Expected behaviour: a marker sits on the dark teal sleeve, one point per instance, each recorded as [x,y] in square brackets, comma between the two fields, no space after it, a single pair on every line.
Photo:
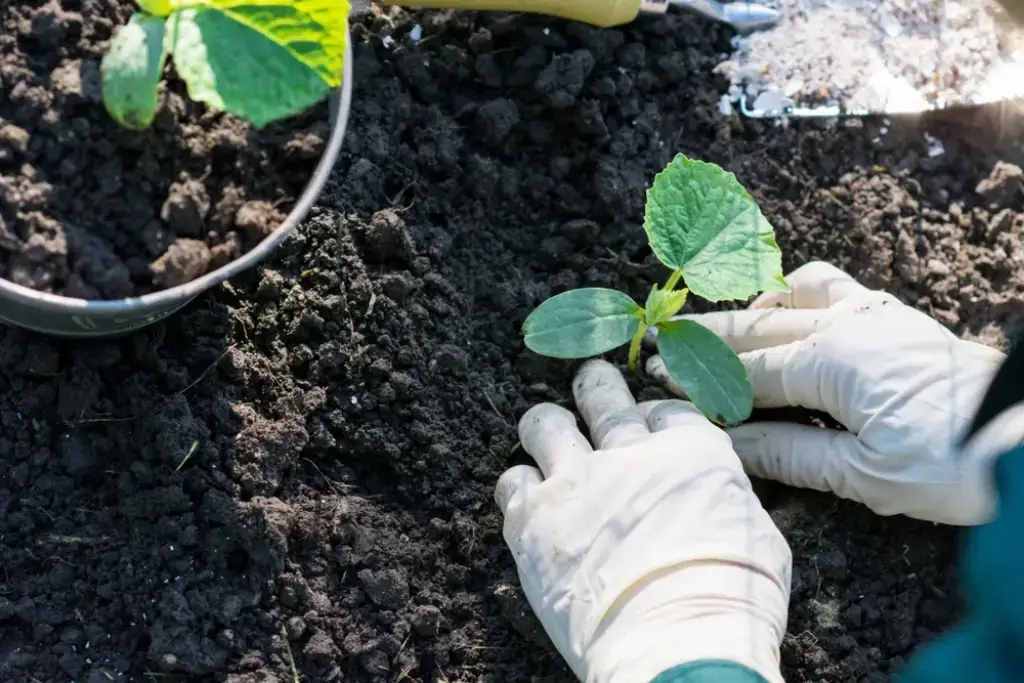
[710,671]
[988,644]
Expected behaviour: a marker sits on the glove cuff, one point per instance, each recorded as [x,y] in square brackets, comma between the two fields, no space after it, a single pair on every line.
[710,671]
[701,611]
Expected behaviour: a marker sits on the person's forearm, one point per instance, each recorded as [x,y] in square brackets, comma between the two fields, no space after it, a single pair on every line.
[985,645]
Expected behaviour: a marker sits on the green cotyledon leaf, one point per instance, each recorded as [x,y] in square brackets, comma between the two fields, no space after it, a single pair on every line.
[262,60]
[707,370]
[700,220]
[581,323]
[131,69]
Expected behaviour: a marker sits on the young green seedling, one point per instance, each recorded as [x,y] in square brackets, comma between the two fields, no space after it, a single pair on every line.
[262,60]
[704,225]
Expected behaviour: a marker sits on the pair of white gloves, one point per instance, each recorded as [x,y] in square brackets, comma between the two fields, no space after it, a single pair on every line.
[645,547]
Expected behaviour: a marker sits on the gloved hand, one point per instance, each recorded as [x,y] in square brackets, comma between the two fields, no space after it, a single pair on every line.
[647,549]
[905,387]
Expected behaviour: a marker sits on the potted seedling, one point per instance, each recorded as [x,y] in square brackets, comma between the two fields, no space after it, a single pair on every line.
[705,226]
[260,59]
[141,164]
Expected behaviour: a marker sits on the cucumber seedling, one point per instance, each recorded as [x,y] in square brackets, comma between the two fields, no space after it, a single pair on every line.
[705,226]
[262,60]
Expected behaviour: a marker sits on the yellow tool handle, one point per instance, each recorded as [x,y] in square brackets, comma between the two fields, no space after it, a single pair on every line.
[601,13]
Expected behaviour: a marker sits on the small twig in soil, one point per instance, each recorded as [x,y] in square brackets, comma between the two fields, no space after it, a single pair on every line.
[369,308]
[397,654]
[291,660]
[335,487]
[61,538]
[205,372]
[54,557]
[237,315]
[492,455]
[330,484]
[479,648]
[195,445]
[394,200]
[496,411]
[619,258]
[403,675]
[95,420]
[43,510]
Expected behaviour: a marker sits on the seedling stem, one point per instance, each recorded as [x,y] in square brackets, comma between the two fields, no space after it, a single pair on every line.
[673,280]
[634,347]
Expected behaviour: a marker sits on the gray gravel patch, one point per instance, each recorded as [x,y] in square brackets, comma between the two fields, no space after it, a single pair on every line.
[894,56]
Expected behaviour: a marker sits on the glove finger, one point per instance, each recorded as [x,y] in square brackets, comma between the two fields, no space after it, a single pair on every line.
[671,413]
[801,456]
[607,406]
[760,328]
[515,483]
[767,371]
[549,434]
[838,462]
[813,285]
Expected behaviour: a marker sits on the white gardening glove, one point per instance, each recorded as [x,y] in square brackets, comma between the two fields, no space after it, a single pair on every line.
[647,549]
[904,386]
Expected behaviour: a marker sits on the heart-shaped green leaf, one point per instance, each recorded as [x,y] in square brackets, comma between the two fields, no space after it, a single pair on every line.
[710,373]
[700,220]
[262,60]
[582,323]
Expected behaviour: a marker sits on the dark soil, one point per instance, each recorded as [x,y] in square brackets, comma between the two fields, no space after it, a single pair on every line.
[301,464]
[92,210]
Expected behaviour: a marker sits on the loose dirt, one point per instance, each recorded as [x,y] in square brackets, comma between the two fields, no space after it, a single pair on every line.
[354,401]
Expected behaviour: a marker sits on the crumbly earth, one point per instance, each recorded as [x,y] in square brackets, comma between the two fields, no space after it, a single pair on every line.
[300,465]
[93,210]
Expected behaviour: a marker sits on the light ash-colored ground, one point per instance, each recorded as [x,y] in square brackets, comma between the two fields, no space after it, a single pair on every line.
[879,55]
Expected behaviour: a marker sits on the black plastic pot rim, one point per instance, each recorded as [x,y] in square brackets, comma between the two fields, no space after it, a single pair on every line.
[165,302]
